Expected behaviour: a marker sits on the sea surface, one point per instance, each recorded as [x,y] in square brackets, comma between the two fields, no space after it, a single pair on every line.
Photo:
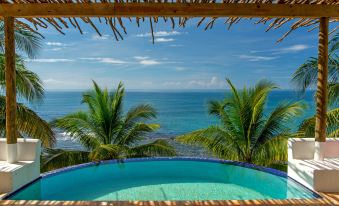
[178,112]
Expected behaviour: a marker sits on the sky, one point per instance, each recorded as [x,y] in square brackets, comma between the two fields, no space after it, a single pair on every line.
[180,59]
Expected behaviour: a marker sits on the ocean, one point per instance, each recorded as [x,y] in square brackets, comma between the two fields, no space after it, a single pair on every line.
[178,112]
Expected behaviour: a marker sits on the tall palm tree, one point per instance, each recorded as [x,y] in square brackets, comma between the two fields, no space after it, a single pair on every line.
[306,77]
[246,131]
[29,88]
[105,132]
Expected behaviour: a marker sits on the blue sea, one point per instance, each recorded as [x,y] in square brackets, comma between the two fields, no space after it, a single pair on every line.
[178,112]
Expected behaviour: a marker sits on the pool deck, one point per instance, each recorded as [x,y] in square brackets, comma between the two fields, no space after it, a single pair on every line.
[329,199]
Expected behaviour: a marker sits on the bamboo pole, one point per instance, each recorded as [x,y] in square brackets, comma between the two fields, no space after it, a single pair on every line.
[320,123]
[11,130]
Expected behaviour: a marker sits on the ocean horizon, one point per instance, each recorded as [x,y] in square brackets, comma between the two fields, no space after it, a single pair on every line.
[179,112]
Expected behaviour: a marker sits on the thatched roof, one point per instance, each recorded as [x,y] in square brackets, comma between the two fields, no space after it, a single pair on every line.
[117,23]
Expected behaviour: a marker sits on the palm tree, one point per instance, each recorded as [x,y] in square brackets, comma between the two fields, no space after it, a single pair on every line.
[26,41]
[29,88]
[246,131]
[306,77]
[105,132]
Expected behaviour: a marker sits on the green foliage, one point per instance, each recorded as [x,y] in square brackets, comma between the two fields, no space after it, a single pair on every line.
[105,132]
[306,77]
[306,128]
[29,87]
[26,41]
[246,131]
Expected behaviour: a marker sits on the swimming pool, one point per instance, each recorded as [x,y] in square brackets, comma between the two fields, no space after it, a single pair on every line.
[164,179]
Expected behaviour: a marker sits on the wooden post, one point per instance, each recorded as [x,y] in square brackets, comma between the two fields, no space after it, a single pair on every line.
[320,123]
[11,130]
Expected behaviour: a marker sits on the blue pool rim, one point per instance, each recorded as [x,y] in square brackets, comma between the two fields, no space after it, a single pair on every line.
[145,159]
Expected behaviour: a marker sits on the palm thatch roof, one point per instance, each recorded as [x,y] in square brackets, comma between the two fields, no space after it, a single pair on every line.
[116,23]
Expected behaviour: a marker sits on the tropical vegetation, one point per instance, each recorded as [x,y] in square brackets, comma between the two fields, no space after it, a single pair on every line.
[106,132]
[247,131]
[29,88]
[306,77]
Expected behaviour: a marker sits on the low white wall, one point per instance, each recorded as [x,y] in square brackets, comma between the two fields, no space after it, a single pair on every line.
[26,169]
[322,176]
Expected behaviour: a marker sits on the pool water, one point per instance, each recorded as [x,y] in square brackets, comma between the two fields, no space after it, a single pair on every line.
[160,179]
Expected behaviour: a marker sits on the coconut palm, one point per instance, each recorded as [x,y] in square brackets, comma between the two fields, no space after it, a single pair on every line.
[306,77]
[26,41]
[246,131]
[29,88]
[105,132]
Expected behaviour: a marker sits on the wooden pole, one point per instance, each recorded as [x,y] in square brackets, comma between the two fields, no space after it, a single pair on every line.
[320,123]
[11,130]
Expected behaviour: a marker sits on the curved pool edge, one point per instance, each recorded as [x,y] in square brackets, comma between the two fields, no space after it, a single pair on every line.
[144,159]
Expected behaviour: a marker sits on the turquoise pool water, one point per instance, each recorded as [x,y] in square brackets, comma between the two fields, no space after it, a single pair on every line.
[163,180]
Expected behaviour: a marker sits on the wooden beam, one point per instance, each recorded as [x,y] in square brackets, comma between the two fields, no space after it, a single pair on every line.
[320,124]
[11,130]
[31,10]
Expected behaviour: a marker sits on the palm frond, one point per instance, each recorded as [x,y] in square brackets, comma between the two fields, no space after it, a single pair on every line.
[333,94]
[106,152]
[26,41]
[109,134]
[307,127]
[29,124]
[157,148]
[277,121]
[52,159]
[79,127]
[136,133]
[247,132]
[334,43]
[28,83]
[306,75]
[217,140]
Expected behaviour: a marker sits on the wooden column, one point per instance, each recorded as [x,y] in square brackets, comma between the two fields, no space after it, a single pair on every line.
[11,130]
[320,125]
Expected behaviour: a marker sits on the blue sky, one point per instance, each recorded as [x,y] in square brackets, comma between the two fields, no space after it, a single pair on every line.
[180,59]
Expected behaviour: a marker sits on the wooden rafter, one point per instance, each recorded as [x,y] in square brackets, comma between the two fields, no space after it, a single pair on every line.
[34,10]
[64,14]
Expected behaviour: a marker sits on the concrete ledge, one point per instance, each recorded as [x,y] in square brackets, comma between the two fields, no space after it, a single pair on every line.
[26,169]
[322,176]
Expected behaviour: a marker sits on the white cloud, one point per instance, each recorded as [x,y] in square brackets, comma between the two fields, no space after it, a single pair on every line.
[294,48]
[289,49]
[149,62]
[51,81]
[176,45]
[49,60]
[55,44]
[163,39]
[141,57]
[172,83]
[254,58]
[160,34]
[105,60]
[213,82]
[180,69]
[56,49]
[102,37]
